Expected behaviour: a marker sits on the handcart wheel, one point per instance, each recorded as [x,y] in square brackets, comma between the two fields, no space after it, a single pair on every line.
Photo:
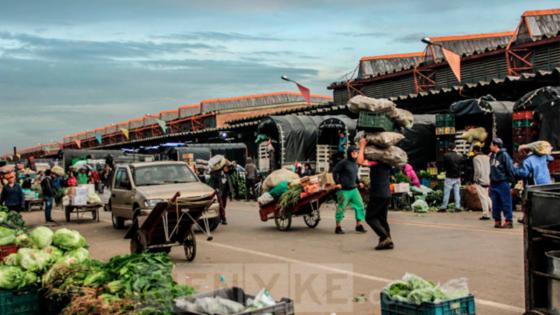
[67,211]
[138,243]
[190,246]
[312,219]
[283,220]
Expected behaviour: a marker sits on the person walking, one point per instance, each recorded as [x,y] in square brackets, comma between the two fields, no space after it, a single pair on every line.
[533,171]
[481,179]
[12,194]
[452,163]
[379,198]
[48,194]
[220,181]
[501,175]
[345,174]
[252,175]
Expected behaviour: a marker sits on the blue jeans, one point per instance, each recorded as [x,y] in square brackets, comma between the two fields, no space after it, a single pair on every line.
[448,184]
[500,193]
[48,208]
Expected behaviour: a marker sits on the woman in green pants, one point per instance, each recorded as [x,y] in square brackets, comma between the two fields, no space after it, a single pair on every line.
[345,175]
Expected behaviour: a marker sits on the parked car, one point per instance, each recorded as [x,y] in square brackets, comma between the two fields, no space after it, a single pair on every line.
[141,186]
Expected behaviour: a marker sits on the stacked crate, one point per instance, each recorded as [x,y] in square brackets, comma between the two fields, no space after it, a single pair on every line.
[324,154]
[445,134]
[522,131]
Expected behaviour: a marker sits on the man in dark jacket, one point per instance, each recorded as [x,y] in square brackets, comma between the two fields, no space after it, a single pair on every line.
[48,195]
[452,164]
[345,175]
[12,194]
[501,175]
[379,198]
[221,182]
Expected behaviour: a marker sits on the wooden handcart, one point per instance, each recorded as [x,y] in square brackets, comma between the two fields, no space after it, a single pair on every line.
[169,224]
[308,207]
[81,209]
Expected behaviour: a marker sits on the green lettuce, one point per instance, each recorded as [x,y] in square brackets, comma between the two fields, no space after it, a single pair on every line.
[41,236]
[7,236]
[11,277]
[68,239]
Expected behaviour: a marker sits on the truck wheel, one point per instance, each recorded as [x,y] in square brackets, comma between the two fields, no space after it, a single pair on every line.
[118,222]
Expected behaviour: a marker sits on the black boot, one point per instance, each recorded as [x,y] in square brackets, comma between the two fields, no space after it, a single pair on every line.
[338,230]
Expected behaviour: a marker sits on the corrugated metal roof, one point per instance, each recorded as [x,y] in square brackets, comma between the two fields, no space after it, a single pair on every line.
[280,112]
[468,45]
[258,100]
[537,25]
[466,86]
[380,65]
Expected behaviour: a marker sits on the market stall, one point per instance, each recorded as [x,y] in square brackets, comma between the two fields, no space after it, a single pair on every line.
[486,112]
[294,139]
[333,137]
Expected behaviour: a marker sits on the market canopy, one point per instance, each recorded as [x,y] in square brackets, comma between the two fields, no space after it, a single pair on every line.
[546,104]
[297,135]
[500,112]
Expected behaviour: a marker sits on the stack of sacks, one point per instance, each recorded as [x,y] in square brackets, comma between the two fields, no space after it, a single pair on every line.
[382,145]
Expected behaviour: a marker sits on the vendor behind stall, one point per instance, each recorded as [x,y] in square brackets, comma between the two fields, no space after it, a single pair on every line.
[452,164]
[12,194]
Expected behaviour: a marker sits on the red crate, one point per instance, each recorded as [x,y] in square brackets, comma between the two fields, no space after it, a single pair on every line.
[522,115]
[6,250]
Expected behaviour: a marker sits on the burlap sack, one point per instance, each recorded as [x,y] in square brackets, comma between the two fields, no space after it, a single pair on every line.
[392,155]
[360,103]
[538,147]
[402,117]
[384,139]
[475,134]
[277,177]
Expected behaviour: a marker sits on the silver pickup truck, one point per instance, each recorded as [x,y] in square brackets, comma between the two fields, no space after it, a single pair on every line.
[140,186]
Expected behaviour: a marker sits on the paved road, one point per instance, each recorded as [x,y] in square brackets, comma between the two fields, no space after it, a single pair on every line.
[326,273]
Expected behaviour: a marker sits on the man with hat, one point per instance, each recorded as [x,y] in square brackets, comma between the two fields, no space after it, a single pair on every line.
[501,175]
[12,194]
[345,174]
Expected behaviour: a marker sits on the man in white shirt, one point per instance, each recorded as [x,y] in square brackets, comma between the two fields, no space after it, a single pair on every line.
[481,178]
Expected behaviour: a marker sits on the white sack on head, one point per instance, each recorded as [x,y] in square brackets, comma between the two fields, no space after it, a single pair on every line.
[384,139]
[360,103]
[393,156]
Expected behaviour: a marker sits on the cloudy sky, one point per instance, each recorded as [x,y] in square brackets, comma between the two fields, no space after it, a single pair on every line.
[72,65]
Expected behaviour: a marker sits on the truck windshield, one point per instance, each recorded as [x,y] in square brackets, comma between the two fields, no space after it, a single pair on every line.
[162,174]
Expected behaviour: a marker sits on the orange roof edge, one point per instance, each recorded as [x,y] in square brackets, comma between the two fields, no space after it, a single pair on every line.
[391,56]
[236,98]
[169,111]
[541,12]
[470,36]
[189,106]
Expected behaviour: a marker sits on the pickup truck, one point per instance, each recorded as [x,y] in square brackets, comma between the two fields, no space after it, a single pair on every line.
[141,186]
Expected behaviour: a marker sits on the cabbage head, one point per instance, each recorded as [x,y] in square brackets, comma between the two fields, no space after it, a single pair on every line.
[34,260]
[30,278]
[7,236]
[12,260]
[11,277]
[75,256]
[24,241]
[53,251]
[3,216]
[67,239]
[41,236]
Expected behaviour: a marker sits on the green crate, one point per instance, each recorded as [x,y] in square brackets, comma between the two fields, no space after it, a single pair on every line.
[461,306]
[445,120]
[23,301]
[521,123]
[375,121]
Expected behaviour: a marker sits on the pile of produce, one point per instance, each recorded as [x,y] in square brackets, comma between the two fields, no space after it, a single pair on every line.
[11,219]
[382,145]
[59,263]
[415,290]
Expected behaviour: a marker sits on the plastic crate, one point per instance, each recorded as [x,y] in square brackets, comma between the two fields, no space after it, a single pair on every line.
[462,306]
[282,307]
[24,301]
[6,250]
[445,120]
[522,123]
[522,115]
[375,121]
